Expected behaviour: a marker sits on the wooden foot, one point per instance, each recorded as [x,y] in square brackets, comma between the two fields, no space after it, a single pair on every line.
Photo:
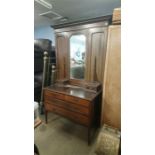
[89,136]
[46,115]
[41,109]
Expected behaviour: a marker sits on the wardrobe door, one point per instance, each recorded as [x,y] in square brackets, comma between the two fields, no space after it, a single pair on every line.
[62,56]
[111,106]
[97,53]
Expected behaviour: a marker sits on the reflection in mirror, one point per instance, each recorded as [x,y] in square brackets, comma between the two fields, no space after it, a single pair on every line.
[77,56]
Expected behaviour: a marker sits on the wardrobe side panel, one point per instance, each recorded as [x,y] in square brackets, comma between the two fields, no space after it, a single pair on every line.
[111,101]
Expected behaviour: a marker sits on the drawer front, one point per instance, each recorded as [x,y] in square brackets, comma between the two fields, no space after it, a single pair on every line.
[68,114]
[70,106]
[77,101]
[48,96]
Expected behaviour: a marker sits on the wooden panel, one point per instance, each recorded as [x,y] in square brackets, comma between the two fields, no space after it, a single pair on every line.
[69,114]
[69,106]
[49,95]
[82,25]
[112,81]
[96,37]
[62,56]
[78,104]
[97,53]
[77,101]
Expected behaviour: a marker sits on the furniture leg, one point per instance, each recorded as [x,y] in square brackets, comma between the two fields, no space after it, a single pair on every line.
[89,135]
[41,108]
[46,115]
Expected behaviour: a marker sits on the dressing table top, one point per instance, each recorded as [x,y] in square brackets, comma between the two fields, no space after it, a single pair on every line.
[73,90]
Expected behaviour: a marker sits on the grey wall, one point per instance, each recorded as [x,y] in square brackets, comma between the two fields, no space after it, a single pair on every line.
[45,32]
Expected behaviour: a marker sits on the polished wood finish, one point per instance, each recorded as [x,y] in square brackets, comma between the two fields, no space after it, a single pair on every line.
[111,101]
[82,22]
[77,28]
[74,102]
[68,114]
[96,38]
[94,86]
[62,56]
[52,96]
[70,105]
[97,51]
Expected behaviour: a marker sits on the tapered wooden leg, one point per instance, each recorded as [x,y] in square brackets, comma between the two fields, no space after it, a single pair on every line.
[41,108]
[89,135]
[46,115]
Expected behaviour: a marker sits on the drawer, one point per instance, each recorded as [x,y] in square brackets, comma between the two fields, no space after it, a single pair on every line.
[70,106]
[68,114]
[78,101]
[48,96]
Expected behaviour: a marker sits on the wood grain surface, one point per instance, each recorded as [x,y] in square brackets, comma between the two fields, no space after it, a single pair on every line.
[111,101]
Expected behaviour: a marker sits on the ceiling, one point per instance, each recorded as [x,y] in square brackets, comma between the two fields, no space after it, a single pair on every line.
[73,10]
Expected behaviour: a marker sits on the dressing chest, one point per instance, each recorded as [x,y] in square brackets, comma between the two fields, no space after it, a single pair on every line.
[80,104]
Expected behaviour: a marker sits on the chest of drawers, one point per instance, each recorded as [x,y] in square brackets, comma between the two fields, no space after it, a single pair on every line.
[75,103]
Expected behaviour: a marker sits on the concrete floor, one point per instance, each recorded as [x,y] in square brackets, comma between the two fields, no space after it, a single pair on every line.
[62,137]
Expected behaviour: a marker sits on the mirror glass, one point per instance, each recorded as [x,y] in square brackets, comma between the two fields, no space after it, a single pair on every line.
[77,56]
